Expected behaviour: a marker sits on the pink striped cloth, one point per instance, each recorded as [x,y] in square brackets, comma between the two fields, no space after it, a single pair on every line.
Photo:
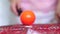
[43,5]
[41,8]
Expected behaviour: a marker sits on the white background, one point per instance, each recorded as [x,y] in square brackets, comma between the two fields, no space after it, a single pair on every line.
[6,15]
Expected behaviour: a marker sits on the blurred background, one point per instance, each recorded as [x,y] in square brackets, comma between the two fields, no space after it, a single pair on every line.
[6,15]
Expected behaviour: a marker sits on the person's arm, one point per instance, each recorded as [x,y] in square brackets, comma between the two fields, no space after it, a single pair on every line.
[13,6]
[58,8]
[58,11]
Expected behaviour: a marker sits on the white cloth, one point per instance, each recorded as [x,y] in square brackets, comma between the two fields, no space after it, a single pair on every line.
[44,18]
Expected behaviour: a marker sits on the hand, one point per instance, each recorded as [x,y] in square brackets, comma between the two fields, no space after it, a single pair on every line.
[13,6]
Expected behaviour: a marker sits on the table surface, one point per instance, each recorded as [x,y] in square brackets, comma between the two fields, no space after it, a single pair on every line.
[23,29]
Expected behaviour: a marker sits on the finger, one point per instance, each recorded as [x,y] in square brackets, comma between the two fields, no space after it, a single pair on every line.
[13,8]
